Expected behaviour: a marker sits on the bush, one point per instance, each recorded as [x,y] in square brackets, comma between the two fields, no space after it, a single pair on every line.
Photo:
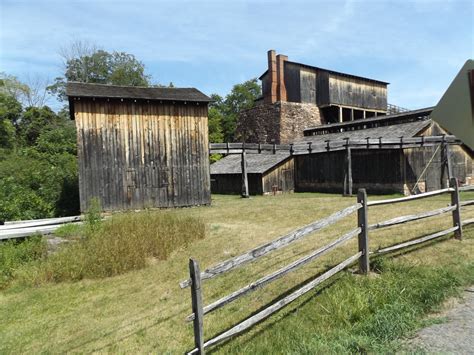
[122,243]
[14,253]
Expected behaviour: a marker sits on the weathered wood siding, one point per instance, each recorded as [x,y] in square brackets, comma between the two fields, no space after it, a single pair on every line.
[323,88]
[142,154]
[292,82]
[281,176]
[382,171]
[231,184]
[377,171]
[358,93]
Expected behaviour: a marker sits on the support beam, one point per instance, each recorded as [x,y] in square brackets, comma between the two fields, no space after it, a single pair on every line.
[245,183]
[340,114]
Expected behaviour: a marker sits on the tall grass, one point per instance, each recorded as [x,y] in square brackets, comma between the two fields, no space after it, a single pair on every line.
[15,253]
[360,314]
[122,243]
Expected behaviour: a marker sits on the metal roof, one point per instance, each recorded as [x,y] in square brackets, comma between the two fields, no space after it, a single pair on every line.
[409,129]
[74,89]
[256,163]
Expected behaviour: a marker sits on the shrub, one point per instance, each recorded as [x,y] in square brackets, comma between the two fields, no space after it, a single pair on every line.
[15,253]
[122,243]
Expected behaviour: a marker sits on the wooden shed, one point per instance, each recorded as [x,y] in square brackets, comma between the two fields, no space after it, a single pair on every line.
[266,173]
[141,147]
[405,170]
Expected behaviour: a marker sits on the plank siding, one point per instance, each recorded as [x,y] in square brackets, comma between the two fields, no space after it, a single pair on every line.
[139,155]
[356,93]
[281,176]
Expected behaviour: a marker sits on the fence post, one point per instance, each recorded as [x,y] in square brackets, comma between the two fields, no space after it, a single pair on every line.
[245,182]
[196,296]
[455,200]
[362,220]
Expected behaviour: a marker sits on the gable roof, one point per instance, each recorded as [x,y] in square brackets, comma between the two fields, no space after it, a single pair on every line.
[409,129]
[75,89]
[455,110]
[330,72]
[256,163]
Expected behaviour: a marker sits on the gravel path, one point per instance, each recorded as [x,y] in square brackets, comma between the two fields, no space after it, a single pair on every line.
[456,335]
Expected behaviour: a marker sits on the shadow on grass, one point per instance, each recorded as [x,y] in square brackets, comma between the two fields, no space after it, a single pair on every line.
[154,324]
[275,300]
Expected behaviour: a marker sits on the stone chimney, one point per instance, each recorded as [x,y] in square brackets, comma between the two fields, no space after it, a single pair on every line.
[272,74]
[281,88]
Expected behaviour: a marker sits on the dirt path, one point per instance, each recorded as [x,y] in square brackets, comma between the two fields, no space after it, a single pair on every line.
[456,335]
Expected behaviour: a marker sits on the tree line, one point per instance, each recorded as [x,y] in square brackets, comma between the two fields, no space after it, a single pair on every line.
[38,164]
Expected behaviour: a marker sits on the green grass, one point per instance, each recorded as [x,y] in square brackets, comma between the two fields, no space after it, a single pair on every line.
[143,310]
[125,242]
[14,254]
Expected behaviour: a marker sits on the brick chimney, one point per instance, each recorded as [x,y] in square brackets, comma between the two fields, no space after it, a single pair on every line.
[272,72]
[281,88]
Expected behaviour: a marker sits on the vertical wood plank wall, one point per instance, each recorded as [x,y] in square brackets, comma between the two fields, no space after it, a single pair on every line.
[135,155]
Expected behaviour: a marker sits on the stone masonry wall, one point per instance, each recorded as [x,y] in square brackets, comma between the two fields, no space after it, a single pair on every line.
[260,124]
[295,117]
[281,122]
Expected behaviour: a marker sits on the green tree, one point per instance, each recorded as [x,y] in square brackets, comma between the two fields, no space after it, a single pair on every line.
[241,97]
[101,67]
[12,87]
[33,121]
[215,117]
[10,113]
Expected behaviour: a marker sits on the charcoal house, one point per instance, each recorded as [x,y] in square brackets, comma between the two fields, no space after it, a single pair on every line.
[141,147]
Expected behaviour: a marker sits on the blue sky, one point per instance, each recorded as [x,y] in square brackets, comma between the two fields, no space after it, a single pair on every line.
[417,46]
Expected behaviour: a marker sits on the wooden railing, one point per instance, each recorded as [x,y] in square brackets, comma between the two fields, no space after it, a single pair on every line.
[362,256]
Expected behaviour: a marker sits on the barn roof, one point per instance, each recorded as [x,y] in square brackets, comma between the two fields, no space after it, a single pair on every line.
[409,129]
[256,163]
[74,89]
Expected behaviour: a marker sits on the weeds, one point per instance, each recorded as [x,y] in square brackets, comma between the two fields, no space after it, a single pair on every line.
[14,253]
[124,242]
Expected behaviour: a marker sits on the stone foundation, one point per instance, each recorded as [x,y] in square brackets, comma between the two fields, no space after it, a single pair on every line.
[281,122]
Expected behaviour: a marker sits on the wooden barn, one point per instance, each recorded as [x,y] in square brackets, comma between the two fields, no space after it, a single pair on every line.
[266,174]
[405,170]
[141,147]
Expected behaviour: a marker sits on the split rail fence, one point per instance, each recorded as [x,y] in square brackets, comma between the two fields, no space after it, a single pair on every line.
[361,256]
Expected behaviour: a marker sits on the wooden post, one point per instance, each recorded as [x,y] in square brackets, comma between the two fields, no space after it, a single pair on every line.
[196,296]
[363,235]
[245,183]
[349,170]
[340,114]
[455,200]
[448,161]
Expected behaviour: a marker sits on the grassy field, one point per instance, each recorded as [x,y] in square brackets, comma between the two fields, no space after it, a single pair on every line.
[144,310]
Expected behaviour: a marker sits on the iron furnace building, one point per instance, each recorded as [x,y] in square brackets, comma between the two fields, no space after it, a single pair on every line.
[141,147]
[297,96]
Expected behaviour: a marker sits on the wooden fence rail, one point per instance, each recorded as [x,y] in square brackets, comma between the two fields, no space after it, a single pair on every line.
[274,245]
[362,256]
